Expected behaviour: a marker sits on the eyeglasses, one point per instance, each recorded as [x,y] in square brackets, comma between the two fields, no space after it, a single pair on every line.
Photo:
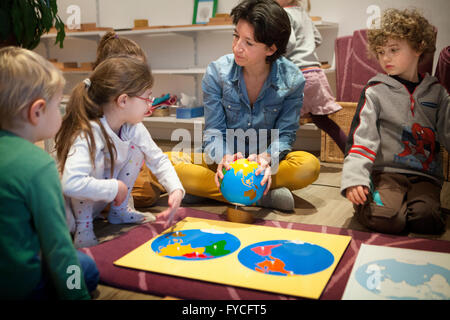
[149,100]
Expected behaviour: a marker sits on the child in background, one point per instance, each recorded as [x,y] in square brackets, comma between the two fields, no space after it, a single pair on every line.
[36,250]
[392,172]
[102,143]
[113,45]
[146,189]
[318,99]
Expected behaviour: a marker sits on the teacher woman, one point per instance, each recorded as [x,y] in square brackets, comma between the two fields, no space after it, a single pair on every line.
[252,101]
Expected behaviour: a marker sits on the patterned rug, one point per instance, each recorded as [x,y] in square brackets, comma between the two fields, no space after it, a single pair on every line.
[162,285]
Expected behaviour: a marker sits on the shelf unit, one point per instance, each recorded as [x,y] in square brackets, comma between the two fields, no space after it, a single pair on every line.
[189,31]
[161,127]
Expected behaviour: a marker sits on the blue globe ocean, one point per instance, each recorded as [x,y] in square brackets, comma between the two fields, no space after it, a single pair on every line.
[240,185]
[286,257]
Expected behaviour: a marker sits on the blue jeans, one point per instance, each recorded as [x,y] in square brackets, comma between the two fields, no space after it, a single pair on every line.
[44,291]
[90,271]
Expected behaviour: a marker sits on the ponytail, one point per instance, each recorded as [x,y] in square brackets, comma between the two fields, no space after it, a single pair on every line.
[80,111]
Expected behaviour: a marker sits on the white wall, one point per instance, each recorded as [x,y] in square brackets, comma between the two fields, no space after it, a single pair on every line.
[120,14]
[350,14]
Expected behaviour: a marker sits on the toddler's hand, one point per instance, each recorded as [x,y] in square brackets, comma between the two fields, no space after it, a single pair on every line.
[121,193]
[174,202]
[357,194]
[175,199]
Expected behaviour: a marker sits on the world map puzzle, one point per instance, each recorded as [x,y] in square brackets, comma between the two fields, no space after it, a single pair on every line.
[285,261]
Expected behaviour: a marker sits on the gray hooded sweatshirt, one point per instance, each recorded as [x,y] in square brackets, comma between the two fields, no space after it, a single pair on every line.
[395,131]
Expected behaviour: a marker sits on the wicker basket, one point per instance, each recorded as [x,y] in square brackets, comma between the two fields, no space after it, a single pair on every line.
[329,151]
[445,164]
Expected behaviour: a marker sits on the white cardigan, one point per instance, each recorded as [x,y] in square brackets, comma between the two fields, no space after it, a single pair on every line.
[82,181]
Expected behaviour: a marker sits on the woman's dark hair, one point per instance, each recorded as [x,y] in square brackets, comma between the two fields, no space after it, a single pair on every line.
[270,21]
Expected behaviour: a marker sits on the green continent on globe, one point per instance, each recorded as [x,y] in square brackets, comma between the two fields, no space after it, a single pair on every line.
[217,249]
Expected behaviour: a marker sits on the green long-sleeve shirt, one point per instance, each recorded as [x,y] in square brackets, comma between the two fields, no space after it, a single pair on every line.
[33,230]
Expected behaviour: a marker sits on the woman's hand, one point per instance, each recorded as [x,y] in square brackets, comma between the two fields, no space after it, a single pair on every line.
[357,194]
[263,161]
[226,160]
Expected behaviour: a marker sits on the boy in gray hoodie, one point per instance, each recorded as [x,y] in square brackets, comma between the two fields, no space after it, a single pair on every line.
[392,171]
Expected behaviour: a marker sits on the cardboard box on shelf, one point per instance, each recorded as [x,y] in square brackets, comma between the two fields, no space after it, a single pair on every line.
[219,19]
[139,23]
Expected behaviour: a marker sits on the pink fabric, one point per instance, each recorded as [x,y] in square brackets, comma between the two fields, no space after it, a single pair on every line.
[343,52]
[443,68]
[363,67]
[354,67]
[318,97]
[106,253]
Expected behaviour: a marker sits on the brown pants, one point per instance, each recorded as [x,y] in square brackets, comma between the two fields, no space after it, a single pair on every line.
[398,202]
[146,190]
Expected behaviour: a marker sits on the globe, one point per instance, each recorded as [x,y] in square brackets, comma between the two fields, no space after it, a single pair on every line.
[195,244]
[240,185]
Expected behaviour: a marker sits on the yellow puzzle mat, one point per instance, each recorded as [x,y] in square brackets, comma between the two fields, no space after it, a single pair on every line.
[284,261]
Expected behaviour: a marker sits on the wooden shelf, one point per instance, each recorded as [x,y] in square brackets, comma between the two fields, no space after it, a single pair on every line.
[167,29]
[145,31]
[78,34]
[170,120]
[187,71]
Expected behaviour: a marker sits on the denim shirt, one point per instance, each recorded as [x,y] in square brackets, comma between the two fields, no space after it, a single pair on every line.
[232,125]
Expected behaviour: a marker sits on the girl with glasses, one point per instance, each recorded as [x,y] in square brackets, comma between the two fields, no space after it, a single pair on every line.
[102,143]
[147,189]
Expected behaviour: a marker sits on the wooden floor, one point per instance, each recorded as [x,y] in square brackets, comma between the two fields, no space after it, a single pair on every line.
[319,203]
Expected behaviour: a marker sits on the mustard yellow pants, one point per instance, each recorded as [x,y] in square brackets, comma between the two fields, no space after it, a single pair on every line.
[298,170]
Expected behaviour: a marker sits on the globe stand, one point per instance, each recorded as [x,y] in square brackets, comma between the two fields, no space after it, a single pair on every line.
[238,215]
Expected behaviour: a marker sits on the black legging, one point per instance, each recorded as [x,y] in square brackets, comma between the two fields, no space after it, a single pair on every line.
[331,128]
